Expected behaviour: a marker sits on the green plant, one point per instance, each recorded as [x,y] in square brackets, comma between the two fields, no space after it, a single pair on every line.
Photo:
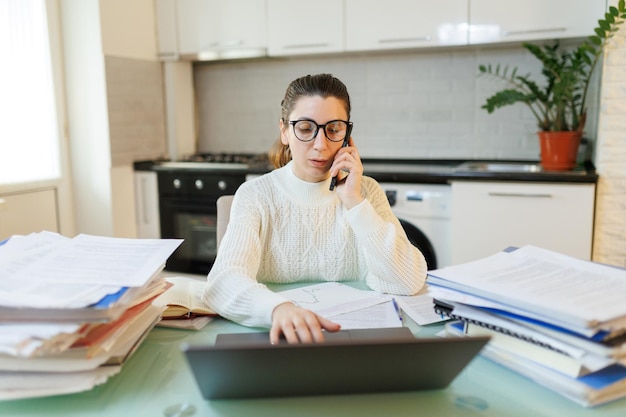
[559,104]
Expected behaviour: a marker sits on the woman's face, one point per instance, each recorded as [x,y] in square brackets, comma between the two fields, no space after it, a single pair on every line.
[312,160]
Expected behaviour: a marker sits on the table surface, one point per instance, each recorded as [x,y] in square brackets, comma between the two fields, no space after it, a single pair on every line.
[156,381]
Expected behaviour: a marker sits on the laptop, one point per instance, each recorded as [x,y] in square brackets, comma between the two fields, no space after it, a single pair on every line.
[246,365]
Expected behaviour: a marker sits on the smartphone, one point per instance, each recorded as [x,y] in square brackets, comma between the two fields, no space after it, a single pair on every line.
[333,182]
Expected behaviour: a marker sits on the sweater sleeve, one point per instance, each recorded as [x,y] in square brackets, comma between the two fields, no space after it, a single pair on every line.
[232,290]
[394,265]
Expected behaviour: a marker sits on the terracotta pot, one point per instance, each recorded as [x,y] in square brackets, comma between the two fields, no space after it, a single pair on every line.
[559,150]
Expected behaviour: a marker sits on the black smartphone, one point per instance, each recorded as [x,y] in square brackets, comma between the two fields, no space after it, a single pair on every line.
[333,182]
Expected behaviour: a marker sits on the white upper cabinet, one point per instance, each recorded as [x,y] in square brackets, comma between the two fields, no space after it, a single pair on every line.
[298,27]
[167,38]
[397,24]
[221,29]
[505,21]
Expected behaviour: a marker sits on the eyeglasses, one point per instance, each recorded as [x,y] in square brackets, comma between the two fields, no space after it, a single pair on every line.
[335,130]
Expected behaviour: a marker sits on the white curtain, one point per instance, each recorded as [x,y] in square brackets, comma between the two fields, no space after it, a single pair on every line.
[29,142]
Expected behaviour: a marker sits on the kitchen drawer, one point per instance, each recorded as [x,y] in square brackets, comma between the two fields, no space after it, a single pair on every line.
[490,216]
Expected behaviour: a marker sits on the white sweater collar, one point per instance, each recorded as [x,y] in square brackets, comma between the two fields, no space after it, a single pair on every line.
[313,193]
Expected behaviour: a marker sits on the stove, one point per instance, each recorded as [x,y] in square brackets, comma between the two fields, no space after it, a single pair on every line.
[188,191]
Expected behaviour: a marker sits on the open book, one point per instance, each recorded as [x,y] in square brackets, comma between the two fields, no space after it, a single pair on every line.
[184,299]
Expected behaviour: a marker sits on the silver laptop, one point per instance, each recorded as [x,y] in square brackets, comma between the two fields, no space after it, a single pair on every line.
[245,365]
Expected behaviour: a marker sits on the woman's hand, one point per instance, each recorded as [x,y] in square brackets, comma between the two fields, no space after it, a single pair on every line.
[347,164]
[299,325]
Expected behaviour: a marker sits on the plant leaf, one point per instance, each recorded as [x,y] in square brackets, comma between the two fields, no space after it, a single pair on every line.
[604,25]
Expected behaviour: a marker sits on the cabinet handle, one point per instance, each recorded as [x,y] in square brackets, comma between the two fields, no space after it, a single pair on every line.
[404,40]
[306,45]
[531,31]
[226,44]
[144,201]
[168,55]
[530,195]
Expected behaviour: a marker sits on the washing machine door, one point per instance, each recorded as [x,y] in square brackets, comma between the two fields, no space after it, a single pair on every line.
[420,241]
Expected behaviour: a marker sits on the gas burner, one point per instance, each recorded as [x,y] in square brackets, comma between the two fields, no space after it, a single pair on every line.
[252,160]
[228,158]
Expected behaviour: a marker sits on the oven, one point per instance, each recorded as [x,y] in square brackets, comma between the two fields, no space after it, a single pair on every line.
[187,210]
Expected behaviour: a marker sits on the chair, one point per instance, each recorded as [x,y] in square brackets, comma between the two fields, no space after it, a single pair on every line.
[223,216]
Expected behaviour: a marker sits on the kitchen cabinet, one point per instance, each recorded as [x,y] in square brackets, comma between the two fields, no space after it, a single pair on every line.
[298,27]
[167,37]
[500,21]
[28,212]
[147,205]
[397,24]
[490,216]
[221,29]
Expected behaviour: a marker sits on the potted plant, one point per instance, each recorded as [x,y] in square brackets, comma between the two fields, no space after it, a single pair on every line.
[559,103]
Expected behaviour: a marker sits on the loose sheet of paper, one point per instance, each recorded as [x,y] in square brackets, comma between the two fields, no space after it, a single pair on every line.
[377,316]
[330,299]
[419,308]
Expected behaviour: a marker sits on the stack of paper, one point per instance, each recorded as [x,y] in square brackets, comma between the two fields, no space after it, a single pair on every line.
[555,319]
[73,310]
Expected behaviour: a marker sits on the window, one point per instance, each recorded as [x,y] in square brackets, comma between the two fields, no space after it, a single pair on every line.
[29,133]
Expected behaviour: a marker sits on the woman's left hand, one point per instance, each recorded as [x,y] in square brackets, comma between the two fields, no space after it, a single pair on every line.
[349,168]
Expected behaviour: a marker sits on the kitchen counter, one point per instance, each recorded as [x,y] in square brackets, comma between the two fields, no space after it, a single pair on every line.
[441,172]
[412,171]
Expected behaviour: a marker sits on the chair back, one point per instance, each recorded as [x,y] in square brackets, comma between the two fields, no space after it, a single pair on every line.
[223,216]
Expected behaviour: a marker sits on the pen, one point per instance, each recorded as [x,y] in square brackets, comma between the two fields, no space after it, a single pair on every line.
[397,308]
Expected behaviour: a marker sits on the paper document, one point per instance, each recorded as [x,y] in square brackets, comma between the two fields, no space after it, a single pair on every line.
[330,299]
[377,316]
[88,259]
[419,308]
[562,288]
[46,270]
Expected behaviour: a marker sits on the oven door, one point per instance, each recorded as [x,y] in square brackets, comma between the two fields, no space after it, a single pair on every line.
[197,225]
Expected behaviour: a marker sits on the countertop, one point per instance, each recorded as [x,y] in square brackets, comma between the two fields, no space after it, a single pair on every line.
[406,171]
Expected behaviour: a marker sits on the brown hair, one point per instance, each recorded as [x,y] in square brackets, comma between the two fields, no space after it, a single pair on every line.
[323,85]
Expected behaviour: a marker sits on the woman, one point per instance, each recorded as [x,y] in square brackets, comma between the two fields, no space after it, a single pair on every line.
[292,225]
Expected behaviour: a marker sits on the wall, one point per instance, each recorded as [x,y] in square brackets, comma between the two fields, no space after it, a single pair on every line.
[610,225]
[416,104]
[87,116]
[115,107]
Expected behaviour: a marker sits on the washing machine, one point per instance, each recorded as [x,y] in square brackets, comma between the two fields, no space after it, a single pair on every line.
[424,212]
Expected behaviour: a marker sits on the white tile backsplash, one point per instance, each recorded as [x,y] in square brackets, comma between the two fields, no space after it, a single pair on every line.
[414,105]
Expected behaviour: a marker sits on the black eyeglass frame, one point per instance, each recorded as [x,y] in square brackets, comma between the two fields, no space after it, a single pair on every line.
[317,129]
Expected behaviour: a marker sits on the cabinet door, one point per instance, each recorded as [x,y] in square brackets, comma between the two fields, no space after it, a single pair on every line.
[147,205]
[212,29]
[30,212]
[166,29]
[488,217]
[502,21]
[297,27]
[396,24]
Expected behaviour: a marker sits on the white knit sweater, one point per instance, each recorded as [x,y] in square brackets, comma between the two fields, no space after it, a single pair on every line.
[285,230]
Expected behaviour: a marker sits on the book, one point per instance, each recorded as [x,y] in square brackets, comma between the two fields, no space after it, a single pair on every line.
[194,323]
[183,300]
[590,390]
[560,362]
